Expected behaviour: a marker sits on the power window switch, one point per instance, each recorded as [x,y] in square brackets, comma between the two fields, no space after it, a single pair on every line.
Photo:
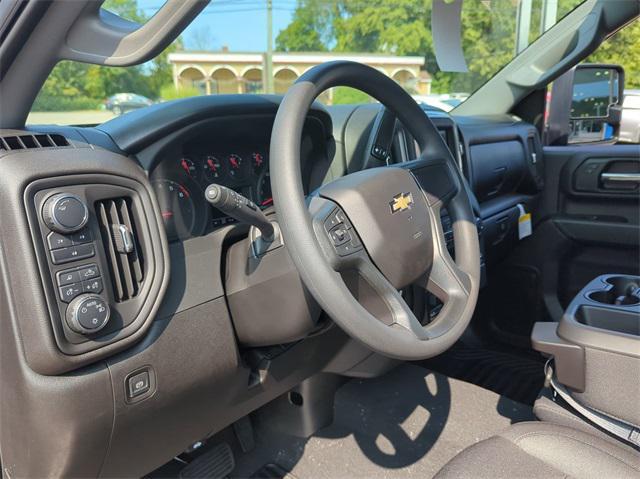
[138,384]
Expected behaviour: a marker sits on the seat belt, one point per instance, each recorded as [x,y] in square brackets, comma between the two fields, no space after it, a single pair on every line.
[620,429]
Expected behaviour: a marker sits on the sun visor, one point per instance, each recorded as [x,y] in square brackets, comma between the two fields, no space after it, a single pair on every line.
[447,35]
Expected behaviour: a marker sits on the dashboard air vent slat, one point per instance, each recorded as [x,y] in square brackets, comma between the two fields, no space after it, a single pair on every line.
[29,142]
[126,268]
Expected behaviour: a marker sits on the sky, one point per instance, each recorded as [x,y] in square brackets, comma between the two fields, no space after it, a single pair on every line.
[240,25]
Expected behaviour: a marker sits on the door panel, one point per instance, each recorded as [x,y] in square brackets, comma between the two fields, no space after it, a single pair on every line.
[592,196]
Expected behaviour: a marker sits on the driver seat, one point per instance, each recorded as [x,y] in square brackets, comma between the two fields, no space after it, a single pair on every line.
[538,449]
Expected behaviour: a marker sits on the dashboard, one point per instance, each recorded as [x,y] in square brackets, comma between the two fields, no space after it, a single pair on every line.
[196,317]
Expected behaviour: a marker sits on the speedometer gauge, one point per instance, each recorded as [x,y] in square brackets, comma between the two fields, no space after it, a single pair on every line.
[177,207]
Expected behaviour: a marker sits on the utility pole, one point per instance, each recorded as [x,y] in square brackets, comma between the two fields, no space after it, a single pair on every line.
[523,25]
[268,67]
[549,15]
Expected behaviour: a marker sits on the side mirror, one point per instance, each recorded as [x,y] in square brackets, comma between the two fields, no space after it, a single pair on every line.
[585,105]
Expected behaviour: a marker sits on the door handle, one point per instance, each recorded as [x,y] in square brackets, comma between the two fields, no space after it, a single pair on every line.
[621,177]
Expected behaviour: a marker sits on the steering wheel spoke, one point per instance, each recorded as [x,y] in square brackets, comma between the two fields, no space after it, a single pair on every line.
[400,314]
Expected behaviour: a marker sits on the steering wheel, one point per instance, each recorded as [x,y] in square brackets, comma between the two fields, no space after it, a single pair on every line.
[381,223]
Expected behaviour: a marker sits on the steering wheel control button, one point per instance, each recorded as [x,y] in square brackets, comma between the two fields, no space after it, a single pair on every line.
[332,220]
[65,213]
[69,292]
[339,235]
[138,384]
[88,314]
[355,241]
[343,237]
[56,241]
[342,218]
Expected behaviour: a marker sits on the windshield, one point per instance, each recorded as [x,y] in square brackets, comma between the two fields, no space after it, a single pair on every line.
[224,51]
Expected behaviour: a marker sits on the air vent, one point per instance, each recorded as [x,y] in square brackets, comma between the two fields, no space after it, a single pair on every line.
[28,142]
[121,243]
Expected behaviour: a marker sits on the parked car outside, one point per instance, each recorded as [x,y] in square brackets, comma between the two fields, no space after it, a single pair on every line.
[123,102]
[443,101]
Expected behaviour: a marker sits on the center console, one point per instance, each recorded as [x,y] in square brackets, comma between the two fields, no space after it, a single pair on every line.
[596,348]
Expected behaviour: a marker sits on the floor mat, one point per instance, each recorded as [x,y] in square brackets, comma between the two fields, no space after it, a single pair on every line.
[407,423]
[518,377]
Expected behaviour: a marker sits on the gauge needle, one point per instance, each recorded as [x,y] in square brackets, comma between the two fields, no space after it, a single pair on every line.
[184,191]
[234,162]
[185,167]
[167,214]
[267,202]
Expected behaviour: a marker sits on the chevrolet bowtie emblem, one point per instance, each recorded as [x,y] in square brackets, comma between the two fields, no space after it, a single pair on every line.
[401,202]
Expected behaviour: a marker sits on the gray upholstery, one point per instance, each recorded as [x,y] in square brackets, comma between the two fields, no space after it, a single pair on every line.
[536,449]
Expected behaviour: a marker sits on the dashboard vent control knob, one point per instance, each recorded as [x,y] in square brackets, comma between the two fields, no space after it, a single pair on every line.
[88,314]
[65,213]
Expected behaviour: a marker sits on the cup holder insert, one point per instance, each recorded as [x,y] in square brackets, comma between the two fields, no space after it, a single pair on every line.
[623,291]
[609,297]
[620,321]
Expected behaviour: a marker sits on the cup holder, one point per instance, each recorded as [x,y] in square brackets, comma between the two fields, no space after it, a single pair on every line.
[624,291]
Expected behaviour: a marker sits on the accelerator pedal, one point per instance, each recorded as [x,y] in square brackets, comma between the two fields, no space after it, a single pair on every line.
[216,463]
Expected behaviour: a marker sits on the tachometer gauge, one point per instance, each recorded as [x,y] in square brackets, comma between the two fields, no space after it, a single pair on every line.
[213,169]
[257,161]
[189,167]
[177,207]
[234,162]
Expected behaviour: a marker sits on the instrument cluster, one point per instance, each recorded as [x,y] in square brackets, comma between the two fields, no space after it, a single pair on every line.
[180,183]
